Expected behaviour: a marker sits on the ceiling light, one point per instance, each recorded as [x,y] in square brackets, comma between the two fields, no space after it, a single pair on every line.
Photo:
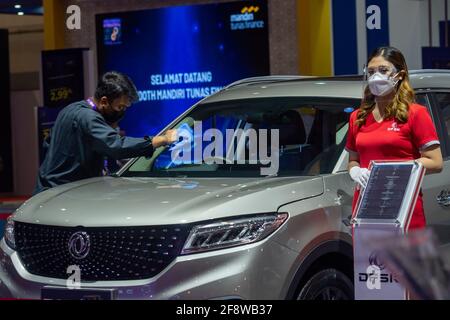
[17,6]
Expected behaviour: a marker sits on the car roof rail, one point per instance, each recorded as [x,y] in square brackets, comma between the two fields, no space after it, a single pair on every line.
[444,71]
[266,79]
[287,78]
[356,77]
[353,77]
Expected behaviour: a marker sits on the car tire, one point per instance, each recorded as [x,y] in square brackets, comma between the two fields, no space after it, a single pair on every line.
[328,284]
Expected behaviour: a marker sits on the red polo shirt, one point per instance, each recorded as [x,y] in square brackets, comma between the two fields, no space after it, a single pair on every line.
[391,140]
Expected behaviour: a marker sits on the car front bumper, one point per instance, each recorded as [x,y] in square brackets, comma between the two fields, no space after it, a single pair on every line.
[255,271]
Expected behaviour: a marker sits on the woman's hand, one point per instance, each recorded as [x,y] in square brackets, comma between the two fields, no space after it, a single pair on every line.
[360,175]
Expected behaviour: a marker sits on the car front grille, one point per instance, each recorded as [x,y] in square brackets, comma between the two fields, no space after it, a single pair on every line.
[101,254]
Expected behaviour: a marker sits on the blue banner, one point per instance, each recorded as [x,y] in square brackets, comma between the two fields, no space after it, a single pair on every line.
[377,24]
[181,54]
[345,43]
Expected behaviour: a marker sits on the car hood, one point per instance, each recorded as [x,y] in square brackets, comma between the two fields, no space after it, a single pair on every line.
[158,201]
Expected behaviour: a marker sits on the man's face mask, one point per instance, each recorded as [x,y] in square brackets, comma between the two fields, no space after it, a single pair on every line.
[382,80]
[112,115]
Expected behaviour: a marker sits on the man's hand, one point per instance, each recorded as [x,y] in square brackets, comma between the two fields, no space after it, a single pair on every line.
[169,137]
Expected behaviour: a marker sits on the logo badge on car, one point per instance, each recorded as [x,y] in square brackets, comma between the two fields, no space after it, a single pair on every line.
[79,245]
[375,261]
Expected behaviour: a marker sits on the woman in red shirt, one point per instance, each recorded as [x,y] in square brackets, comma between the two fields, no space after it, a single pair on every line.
[389,125]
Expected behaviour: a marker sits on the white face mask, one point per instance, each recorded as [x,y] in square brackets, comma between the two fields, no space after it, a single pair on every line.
[381,85]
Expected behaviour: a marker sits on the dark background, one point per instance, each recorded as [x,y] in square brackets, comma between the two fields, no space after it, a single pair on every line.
[6,169]
[62,77]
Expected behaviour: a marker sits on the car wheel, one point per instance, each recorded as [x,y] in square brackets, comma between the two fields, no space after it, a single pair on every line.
[329,284]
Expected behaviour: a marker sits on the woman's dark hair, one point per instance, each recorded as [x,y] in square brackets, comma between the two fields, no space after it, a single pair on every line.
[113,85]
[404,96]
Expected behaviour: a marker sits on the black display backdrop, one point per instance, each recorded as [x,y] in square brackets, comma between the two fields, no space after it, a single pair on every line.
[62,77]
[6,168]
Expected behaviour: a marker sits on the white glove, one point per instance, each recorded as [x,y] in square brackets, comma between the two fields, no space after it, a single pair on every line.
[360,175]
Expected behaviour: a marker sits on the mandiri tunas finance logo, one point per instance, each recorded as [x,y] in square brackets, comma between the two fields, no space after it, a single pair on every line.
[246,19]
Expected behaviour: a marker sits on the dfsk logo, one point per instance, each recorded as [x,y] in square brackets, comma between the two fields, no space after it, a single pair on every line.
[394,127]
[373,276]
[79,245]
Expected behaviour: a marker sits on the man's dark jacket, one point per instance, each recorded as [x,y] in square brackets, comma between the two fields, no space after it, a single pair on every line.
[80,141]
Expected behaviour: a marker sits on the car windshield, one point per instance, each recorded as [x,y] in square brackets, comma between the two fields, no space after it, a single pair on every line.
[253,137]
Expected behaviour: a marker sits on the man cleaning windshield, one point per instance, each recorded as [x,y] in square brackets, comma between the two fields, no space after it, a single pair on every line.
[84,135]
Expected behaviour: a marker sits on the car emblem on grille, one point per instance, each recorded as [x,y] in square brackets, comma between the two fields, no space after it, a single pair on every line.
[79,245]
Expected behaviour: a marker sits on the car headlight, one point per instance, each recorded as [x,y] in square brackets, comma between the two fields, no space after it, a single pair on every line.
[230,233]
[9,233]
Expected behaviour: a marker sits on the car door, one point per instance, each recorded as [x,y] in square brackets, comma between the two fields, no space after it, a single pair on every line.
[436,187]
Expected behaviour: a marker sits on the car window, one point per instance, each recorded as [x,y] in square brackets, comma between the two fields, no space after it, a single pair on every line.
[422,99]
[227,139]
[443,101]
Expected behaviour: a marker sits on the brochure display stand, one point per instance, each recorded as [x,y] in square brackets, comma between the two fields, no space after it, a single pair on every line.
[384,209]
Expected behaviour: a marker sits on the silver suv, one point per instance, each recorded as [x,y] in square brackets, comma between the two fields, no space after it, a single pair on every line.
[218,230]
